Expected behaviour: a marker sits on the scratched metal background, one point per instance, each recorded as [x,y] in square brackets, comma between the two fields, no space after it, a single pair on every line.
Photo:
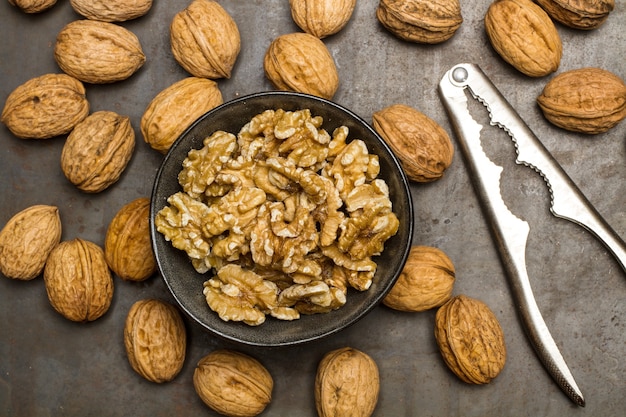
[52,367]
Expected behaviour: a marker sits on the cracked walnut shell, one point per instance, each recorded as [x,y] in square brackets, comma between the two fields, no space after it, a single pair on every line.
[233,383]
[422,145]
[97,151]
[155,340]
[421,21]
[98,52]
[347,384]
[78,281]
[426,281]
[301,62]
[127,245]
[523,34]
[321,18]
[470,339]
[586,100]
[175,108]
[27,240]
[45,106]
[205,40]
[578,14]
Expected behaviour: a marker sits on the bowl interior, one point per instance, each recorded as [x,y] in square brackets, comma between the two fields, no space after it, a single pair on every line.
[186,284]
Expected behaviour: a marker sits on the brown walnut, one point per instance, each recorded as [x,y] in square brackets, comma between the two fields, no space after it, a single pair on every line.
[33,6]
[578,14]
[111,10]
[321,18]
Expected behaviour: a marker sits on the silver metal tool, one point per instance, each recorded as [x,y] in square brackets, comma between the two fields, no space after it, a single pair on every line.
[510,232]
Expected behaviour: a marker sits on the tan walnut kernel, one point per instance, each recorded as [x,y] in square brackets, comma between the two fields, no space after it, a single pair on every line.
[422,145]
[45,106]
[578,14]
[111,10]
[426,281]
[33,6]
[98,52]
[78,281]
[523,34]
[321,18]
[205,40]
[175,108]
[586,100]
[155,340]
[27,239]
[470,339]
[233,384]
[301,62]
[347,384]
[97,151]
[421,21]
[127,244]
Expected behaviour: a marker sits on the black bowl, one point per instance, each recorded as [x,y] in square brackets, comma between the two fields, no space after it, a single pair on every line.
[185,283]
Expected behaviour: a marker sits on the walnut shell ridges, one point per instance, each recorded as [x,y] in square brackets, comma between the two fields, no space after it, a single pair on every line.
[46,106]
[321,18]
[78,281]
[233,383]
[33,6]
[578,14]
[205,40]
[155,339]
[585,100]
[98,52]
[27,240]
[111,10]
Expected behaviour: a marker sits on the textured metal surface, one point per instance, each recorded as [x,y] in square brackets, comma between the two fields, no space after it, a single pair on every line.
[52,367]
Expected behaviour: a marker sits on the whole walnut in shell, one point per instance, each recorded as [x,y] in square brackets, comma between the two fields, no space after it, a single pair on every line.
[470,339]
[321,18]
[155,339]
[111,10]
[78,281]
[27,240]
[98,52]
[33,6]
[175,108]
[422,145]
[586,100]
[524,36]
[205,39]
[421,21]
[127,245]
[301,62]
[346,384]
[97,151]
[233,383]
[578,14]
[426,281]
[45,106]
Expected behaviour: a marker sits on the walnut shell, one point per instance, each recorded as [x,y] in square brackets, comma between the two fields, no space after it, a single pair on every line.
[426,281]
[205,40]
[111,10]
[470,339]
[421,21]
[97,151]
[98,52]
[175,108]
[127,245]
[78,281]
[321,18]
[301,62]
[347,383]
[578,14]
[32,6]
[45,106]
[155,339]
[422,145]
[524,36]
[27,240]
[233,383]
[586,100]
